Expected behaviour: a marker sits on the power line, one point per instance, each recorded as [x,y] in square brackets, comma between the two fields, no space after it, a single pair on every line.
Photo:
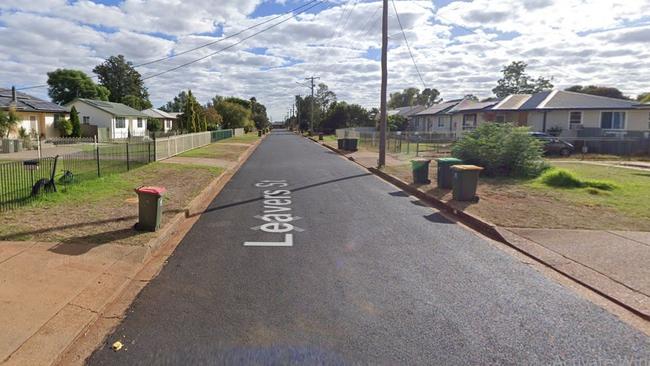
[408,46]
[230,46]
[210,43]
[225,38]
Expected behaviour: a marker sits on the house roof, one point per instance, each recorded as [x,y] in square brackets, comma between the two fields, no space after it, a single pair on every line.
[467,105]
[28,103]
[158,113]
[116,109]
[438,108]
[560,99]
[512,102]
[406,111]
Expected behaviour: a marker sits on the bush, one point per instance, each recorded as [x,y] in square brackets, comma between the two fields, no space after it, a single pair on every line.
[154,125]
[562,178]
[503,150]
[64,126]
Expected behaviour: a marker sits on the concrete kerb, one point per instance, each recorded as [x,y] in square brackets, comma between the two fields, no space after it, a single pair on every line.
[154,250]
[484,228]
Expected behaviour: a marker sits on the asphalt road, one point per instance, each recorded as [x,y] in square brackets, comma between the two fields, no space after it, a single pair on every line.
[372,277]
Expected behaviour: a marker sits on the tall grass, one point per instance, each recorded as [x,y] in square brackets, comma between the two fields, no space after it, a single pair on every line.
[562,178]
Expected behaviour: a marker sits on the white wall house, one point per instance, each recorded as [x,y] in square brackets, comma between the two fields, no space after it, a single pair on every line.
[168,120]
[121,120]
[576,114]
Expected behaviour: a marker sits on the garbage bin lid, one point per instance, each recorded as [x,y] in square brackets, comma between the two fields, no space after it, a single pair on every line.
[157,191]
[466,167]
[420,160]
[449,160]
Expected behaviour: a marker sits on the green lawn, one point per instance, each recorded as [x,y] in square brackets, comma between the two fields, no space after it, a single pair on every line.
[247,138]
[632,196]
[216,151]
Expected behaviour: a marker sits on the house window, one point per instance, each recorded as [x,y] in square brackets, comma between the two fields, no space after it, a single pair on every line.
[469,121]
[612,120]
[575,120]
[500,118]
[120,122]
[441,122]
[139,122]
[32,123]
[86,120]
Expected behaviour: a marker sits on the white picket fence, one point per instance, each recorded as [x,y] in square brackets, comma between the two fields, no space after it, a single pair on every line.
[167,147]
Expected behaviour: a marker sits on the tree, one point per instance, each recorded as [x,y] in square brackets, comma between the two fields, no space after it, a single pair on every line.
[428,97]
[643,98]
[123,81]
[154,124]
[74,121]
[324,97]
[192,119]
[516,81]
[234,115]
[408,97]
[397,123]
[213,118]
[177,104]
[259,115]
[8,122]
[471,97]
[602,91]
[64,85]
[64,126]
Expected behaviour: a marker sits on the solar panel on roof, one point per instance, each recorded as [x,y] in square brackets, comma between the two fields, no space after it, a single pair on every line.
[103,104]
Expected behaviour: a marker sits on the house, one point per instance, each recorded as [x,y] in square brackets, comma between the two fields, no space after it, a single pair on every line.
[121,120]
[407,112]
[35,115]
[435,118]
[454,117]
[168,120]
[575,114]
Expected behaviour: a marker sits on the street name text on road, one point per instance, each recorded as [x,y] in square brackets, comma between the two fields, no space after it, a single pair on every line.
[277,215]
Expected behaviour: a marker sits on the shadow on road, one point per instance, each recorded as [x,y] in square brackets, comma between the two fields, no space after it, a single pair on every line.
[293,190]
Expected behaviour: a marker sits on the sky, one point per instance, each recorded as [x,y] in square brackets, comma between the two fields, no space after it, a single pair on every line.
[459,47]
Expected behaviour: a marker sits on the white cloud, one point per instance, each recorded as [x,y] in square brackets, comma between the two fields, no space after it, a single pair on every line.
[459,48]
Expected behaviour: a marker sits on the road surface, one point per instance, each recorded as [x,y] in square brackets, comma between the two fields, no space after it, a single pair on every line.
[362,274]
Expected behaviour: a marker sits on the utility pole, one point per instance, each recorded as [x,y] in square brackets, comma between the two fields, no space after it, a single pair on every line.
[311,120]
[384,78]
[297,112]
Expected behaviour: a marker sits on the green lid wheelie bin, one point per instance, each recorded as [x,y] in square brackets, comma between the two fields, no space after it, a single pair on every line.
[465,182]
[444,173]
[420,168]
[149,208]
[340,144]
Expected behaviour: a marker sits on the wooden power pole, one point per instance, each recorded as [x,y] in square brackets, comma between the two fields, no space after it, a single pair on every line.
[311,108]
[384,79]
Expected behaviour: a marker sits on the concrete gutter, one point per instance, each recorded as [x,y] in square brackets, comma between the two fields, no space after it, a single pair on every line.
[599,285]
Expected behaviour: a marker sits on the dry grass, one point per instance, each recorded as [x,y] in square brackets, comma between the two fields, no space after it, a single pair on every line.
[105,210]
[525,203]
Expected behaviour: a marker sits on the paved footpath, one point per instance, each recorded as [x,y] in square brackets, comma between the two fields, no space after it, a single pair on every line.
[362,275]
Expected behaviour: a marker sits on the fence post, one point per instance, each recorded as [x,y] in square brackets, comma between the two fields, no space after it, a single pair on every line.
[408,143]
[128,165]
[99,173]
[149,150]
[417,148]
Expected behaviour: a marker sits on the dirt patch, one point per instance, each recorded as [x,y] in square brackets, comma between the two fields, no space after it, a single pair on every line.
[513,203]
[112,218]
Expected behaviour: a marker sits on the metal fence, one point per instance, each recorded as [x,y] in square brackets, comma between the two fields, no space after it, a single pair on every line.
[19,180]
[404,142]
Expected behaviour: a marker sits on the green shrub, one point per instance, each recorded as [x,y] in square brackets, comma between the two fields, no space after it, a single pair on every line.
[562,178]
[154,125]
[502,149]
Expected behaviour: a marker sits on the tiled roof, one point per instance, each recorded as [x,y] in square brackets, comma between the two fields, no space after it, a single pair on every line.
[116,109]
[28,103]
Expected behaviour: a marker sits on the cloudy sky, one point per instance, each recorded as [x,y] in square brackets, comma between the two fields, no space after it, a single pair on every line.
[459,46]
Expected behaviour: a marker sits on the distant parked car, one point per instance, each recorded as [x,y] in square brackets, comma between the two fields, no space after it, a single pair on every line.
[554,145]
